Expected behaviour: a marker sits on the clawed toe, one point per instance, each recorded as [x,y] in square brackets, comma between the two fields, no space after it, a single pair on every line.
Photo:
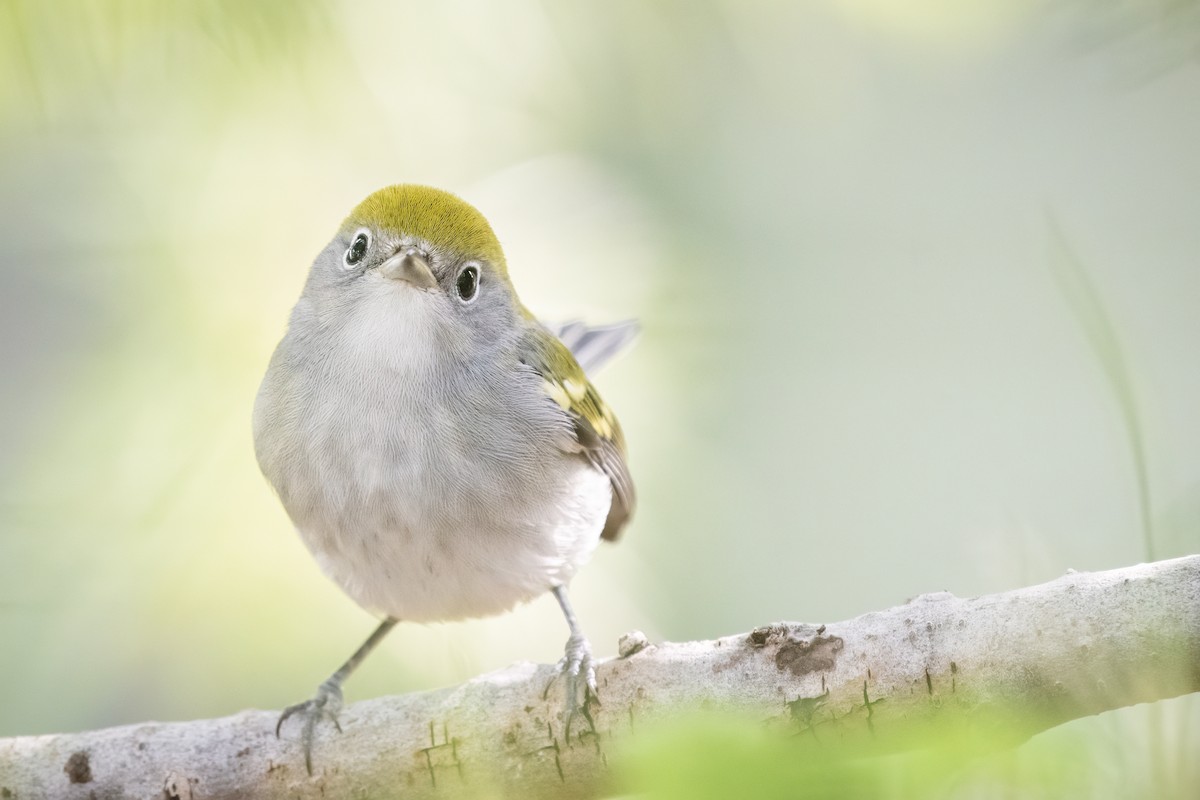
[312,710]
[577,666]
[326,705]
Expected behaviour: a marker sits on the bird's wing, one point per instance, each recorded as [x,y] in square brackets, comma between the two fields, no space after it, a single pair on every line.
[594,347]
[597,435]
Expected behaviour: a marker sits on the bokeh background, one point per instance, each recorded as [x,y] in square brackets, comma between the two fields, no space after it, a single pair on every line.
[919,282]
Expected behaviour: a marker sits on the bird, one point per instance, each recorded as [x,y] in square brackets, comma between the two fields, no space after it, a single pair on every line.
[441,452]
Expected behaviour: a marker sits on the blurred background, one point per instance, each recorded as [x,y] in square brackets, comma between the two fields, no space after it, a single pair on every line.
[919,283]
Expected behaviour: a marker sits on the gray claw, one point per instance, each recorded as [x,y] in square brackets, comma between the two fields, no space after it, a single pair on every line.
[327,704]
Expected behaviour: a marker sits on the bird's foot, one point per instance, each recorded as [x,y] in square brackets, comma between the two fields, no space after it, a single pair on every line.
[580,672]
[327,704]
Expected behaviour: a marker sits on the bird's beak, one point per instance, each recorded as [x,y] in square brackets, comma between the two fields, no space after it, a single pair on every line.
[409,266]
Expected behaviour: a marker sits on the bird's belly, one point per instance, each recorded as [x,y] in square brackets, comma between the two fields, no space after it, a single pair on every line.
[450,537]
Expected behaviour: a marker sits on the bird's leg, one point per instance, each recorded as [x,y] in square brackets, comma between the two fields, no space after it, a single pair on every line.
[576,664]
[328,701]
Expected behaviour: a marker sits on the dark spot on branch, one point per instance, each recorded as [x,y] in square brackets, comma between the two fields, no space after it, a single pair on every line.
[79,767]
[802,656]
[758,636]
[803,708]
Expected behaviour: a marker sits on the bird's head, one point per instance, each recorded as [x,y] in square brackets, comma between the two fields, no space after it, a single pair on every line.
[418,259]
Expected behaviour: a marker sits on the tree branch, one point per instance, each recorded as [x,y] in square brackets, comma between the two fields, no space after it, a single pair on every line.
[1006,665]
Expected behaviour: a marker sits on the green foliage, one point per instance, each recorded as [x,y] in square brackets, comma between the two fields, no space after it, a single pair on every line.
[713,756]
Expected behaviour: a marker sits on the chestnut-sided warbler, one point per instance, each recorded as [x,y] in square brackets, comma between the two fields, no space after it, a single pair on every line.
[441,452]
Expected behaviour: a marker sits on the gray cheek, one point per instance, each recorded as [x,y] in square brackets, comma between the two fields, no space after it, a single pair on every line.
[493,314]
[494,324]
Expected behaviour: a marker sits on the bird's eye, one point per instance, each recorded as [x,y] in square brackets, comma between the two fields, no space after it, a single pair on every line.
[467,284]
[357,248]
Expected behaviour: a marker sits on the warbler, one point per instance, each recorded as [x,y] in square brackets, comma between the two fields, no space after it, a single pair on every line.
[440,451]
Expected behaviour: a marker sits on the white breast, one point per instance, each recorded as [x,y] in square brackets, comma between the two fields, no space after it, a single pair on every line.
[394,563]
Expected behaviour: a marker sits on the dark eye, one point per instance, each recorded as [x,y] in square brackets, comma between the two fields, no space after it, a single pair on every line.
[467,284]
[358,248]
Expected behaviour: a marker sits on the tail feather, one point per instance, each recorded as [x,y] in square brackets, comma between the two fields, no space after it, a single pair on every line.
[594,347]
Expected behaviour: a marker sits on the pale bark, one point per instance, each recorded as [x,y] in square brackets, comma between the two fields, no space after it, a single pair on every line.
[1002,666]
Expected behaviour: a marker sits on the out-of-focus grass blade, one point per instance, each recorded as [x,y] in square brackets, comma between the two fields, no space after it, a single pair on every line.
[1089,310]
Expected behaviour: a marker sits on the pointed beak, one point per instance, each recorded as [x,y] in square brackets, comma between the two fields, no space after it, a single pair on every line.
[409,266]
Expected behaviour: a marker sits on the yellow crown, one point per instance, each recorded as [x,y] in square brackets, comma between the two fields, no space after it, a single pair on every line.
[440,218]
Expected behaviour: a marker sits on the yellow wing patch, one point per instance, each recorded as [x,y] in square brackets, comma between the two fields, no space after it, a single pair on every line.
[581,399]
[575,390]
[558,394]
